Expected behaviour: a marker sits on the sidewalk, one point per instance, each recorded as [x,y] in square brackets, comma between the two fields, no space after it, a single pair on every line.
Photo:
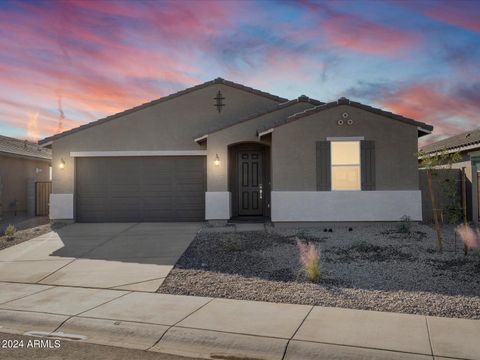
[220,328]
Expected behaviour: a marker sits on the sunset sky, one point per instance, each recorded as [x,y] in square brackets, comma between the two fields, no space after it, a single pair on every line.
[65,63]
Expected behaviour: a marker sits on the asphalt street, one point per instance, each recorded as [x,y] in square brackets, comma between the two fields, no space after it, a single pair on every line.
[27,347]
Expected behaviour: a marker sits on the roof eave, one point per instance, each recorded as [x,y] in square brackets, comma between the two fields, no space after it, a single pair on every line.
[454,149]
[201,139]
[26,157]
[217,81]
[424,128]
[422,131]
[281,106]
[265,132]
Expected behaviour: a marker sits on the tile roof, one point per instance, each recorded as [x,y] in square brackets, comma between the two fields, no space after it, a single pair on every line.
[425,128]
[165,98]
[456,142]
[302,98]
[23,148]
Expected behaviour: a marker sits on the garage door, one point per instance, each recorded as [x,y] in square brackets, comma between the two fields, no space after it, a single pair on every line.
[133,189]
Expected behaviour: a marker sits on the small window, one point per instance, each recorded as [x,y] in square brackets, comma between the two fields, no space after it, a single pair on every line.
[345,165]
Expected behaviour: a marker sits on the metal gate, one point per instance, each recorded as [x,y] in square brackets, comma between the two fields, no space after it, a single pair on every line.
[43,190]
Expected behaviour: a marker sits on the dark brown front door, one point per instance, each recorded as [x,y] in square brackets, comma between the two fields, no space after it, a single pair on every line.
[250,186]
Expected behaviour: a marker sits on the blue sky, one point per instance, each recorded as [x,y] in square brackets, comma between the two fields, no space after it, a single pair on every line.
[66,63]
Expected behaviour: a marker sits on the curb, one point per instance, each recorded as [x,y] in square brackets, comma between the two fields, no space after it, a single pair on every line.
[218,345]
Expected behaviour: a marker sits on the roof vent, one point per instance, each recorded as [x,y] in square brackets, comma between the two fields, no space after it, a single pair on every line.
[468,135]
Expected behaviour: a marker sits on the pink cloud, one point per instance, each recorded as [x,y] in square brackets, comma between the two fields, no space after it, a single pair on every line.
[365,36]
[449,111]
[99,66]
[458,13]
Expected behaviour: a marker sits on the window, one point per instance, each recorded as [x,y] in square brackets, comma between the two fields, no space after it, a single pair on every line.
[345,165]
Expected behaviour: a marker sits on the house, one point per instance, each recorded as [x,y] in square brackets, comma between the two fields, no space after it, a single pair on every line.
[21,161]
[467,145]
[221,151]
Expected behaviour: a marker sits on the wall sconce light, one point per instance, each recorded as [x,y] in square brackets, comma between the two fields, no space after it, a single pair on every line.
[62,164]
[217,160]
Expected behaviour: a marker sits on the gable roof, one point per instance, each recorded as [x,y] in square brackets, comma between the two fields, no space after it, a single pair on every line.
[218,81]
[470,139]
[284,105]
[423,128]
[23,148]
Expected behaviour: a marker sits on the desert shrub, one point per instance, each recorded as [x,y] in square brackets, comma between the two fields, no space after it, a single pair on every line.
[10,231]
[405,225]
[363,247]
[452,209]
[309,256]
[232,245]
[470,237]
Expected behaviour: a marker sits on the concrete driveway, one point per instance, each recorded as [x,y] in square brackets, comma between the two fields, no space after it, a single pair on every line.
[127,256]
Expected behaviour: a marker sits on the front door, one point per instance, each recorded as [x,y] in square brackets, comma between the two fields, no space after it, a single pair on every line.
[250,182]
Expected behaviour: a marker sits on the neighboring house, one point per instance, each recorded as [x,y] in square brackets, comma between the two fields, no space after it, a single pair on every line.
[20,160]
[467,144]
[221,151]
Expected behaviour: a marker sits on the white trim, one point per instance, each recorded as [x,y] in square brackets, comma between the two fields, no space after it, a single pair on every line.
[346,205]
[266,132]
[346,138]
[61,206]
[217,205]
[138,153]
[46,144]
[203,137]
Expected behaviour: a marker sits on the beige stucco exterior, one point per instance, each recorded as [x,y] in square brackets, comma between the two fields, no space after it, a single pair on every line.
[218,142]
[293,148]
[169,125]
[170,128]
[14,173]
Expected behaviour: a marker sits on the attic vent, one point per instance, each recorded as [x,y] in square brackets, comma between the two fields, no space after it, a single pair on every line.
[467,136]
[219,101]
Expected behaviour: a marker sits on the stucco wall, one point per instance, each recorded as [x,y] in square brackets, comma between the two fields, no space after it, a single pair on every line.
[14,172]
[169,125]
[294,206]
[294,156]
[218,142]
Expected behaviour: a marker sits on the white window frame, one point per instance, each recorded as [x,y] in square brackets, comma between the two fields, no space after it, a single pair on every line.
[358,139]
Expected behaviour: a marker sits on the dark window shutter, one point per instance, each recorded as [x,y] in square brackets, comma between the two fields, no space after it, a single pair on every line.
[323,166]
[367,157]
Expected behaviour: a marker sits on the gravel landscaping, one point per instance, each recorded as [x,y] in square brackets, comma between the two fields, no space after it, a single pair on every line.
[364,266]
[24,235]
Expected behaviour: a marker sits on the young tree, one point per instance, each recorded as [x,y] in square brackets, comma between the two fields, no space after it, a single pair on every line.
[431,163]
